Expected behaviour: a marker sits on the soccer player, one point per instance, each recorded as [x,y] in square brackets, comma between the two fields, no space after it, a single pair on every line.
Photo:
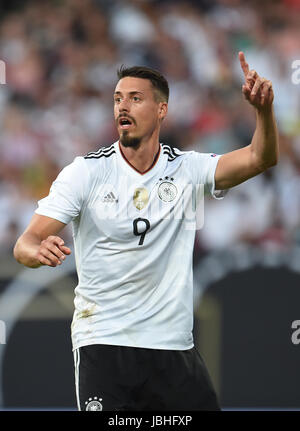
[132,324]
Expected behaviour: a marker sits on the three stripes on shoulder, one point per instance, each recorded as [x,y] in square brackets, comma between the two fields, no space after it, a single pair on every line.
[108,151]
[102,152]
[172,154]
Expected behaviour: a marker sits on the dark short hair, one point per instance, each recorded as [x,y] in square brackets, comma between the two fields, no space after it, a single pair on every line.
[159,82]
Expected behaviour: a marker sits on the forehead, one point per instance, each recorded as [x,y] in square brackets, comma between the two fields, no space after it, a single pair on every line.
[130,84]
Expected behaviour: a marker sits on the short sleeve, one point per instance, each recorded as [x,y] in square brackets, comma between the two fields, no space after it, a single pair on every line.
[67,193]
[202,167]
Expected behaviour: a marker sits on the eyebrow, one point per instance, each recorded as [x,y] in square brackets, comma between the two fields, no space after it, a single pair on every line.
[130,92]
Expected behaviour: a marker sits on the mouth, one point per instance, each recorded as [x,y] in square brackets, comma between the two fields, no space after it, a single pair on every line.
[125,123]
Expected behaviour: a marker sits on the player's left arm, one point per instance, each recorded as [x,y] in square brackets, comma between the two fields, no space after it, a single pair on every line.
[238,166]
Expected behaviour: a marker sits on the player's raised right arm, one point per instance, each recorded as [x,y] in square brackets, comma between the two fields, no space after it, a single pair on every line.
[40,245]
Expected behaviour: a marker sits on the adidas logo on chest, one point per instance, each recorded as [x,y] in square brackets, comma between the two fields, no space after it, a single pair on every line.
[109,198]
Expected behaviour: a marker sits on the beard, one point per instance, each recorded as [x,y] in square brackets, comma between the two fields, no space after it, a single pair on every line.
[127,141]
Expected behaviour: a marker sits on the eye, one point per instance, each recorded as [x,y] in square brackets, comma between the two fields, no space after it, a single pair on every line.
[117,99]
[136,98]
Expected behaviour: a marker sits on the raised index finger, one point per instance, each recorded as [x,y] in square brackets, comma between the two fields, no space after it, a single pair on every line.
[244,64]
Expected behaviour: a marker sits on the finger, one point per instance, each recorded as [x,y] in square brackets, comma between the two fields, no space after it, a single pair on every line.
[65,249]
[246,91]
[247,87]
[44,261]
[59,242]
[266,92]
[251,78]
[271,94]
[56,240]
[244,64]
[47,258]
[48,247]
[256,88]
[53,248]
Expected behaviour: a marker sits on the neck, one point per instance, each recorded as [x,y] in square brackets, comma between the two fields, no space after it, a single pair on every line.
[142,158]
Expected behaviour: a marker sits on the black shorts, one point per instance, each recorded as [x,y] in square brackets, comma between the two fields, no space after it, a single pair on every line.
[120,378]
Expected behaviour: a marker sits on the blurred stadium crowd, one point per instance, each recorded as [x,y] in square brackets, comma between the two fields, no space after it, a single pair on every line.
[61,61]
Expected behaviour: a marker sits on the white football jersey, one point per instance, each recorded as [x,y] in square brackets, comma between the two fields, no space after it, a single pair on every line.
[134,237]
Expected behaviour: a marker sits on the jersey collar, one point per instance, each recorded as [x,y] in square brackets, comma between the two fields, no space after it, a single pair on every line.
[131,170]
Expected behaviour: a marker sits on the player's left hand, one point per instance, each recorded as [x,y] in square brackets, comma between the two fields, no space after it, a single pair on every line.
[257,91]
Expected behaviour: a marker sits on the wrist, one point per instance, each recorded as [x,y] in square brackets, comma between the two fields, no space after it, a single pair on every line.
[265,111]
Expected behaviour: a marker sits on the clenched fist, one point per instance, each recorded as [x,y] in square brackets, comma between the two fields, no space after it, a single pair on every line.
[52,251]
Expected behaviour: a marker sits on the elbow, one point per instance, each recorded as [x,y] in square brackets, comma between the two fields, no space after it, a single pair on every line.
[23,255]
[275,159]
[273,162]
[267,164]
[16,252]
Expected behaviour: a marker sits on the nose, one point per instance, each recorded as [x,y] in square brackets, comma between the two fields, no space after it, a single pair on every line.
[124,105]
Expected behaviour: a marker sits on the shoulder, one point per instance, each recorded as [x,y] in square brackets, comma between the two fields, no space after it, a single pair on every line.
[102,153]
[96,162]
[196,156]
[173,153]
[191,155]
[84,168]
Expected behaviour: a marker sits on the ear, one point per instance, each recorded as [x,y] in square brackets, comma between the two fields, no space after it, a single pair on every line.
[163,110]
